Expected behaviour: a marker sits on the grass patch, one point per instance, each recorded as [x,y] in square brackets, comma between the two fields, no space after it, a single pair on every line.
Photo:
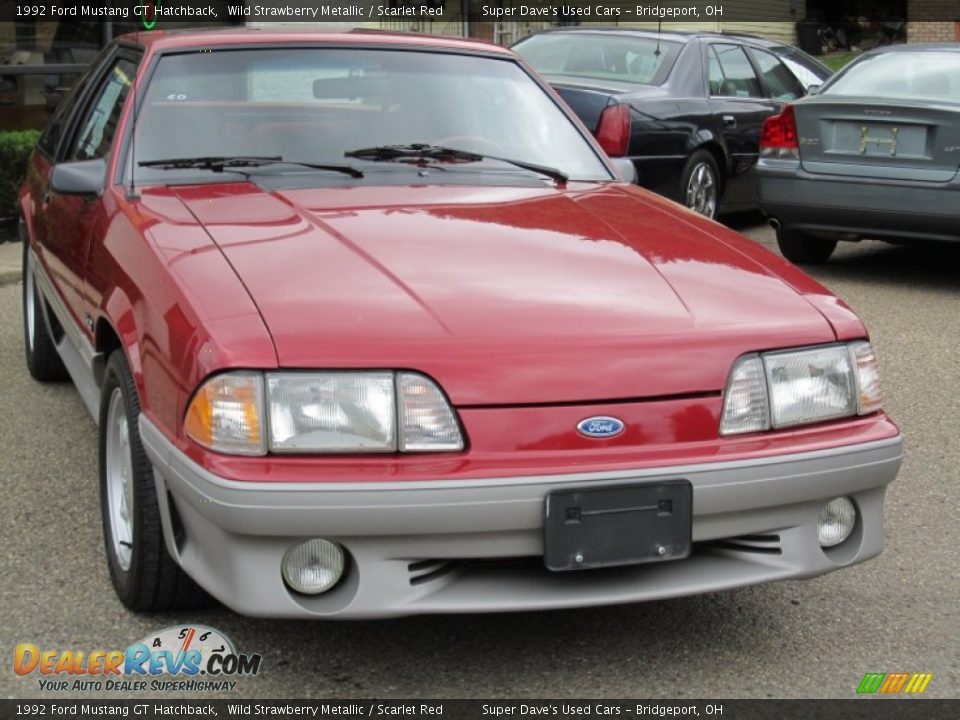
[838,60]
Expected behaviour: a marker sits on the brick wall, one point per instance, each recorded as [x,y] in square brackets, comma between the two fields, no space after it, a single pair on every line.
[929,31]
[937,20]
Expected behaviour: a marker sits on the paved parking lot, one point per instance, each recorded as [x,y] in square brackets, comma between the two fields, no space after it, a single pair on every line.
[811,639]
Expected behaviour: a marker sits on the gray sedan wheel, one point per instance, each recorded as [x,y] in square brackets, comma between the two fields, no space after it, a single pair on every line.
[803,249]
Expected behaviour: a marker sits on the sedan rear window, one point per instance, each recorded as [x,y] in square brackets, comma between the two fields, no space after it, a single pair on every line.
[641,60]
[927,75]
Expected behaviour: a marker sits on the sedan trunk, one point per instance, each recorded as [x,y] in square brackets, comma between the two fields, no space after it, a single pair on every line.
[879,138]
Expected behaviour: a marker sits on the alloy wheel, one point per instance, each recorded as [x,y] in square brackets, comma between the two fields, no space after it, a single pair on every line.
[30,307]
[702,190]
[119,470]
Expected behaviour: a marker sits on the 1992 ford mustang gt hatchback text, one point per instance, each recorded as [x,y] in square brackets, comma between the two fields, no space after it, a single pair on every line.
[372,327]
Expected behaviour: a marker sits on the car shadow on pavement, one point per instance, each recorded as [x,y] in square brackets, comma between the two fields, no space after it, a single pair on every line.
[926,265]
[577,652]
[742,221]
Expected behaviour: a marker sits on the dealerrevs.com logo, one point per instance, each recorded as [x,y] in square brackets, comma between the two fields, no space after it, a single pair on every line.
[177,658]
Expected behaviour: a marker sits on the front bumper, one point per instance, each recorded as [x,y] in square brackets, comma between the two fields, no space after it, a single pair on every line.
[866,207]
[476,545]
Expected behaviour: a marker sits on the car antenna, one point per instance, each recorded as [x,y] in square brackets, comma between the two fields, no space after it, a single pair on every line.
[656,53]
[132,192]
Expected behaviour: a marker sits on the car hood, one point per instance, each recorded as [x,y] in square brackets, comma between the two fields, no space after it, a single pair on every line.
[504,295]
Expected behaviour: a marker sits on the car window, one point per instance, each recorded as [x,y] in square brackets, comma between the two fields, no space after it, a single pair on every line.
[632,59]
[57,127]
[805,69]
[780,82]
[739,79]
[928,75]
[315,105]
[96,131]
[50,140]
[715,73]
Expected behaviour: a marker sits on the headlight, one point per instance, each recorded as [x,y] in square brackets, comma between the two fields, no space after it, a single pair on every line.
[797,387]
[332,412]
[322,412]
[810,385]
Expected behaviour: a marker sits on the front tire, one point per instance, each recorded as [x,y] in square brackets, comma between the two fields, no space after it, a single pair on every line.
[700,184]
[803,249]
[43,360]
[143,574]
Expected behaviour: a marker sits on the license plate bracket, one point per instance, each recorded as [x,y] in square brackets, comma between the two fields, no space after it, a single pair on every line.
[611,525]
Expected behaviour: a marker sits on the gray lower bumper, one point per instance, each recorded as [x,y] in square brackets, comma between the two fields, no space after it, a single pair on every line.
[867,207]
[443,546]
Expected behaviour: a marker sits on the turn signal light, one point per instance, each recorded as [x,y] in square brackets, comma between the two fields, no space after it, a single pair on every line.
[225,414]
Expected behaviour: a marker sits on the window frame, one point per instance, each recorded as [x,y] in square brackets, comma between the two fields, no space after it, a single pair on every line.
[764,85]
[123,169]
[710,48]
[72,104]
[93,95]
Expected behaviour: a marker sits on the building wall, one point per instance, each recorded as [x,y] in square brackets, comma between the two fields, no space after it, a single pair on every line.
[776,21]
[781,31]
[928,29]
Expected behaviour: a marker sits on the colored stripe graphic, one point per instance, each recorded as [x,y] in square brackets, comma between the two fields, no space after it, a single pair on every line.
[918,682]
[871,682]
[892,683]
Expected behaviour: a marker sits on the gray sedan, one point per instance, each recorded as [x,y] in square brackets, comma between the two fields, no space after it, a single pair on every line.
[876,153]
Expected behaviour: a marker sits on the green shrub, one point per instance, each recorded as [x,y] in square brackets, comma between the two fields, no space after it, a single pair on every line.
[15,150]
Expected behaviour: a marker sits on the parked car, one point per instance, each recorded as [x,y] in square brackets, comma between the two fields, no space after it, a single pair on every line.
[875,154]
[685,108]
[370,327]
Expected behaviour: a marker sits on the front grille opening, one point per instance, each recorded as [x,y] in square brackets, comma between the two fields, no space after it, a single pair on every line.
[757,544]
[423,571]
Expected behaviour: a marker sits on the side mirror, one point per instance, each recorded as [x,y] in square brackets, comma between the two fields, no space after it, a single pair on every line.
[85,177]
[814,89]
[625,169]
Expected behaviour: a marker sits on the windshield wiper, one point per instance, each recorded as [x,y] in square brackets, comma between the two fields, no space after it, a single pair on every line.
[422,151]
[219,164]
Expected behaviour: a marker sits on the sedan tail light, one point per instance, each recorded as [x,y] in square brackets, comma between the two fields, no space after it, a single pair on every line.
[778,138]
[613,130]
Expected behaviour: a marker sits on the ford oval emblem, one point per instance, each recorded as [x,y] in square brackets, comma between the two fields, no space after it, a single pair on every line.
[601,426]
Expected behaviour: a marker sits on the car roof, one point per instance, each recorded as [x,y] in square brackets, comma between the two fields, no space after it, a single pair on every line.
[915,47]
[681,36]
[163,40]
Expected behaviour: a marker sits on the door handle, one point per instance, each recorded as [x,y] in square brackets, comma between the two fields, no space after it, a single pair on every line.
[47,196]
[729,121]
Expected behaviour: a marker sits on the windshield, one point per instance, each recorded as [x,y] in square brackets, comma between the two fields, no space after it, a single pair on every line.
[924,75]
[313,105]
[601,57]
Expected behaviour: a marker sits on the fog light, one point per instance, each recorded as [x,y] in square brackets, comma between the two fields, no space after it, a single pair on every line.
[836,521]
[313,567]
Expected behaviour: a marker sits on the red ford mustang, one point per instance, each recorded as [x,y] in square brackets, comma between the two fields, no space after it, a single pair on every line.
[371,327]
